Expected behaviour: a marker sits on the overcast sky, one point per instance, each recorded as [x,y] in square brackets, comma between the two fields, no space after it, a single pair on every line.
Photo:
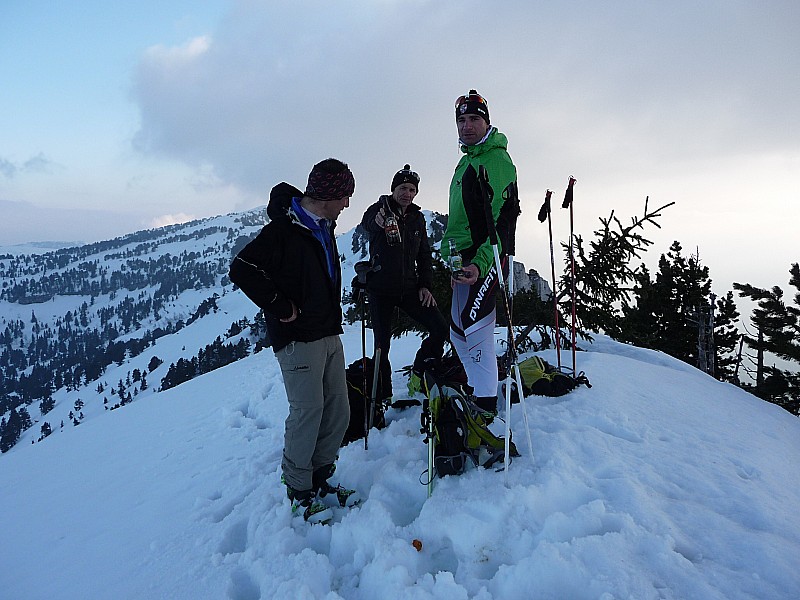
[116,117]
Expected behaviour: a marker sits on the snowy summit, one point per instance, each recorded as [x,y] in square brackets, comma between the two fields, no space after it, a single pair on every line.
[658,482]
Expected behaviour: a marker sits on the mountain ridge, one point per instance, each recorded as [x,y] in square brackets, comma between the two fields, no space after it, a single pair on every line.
[90,328]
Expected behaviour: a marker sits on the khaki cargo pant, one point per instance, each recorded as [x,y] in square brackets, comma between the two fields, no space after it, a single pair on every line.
[319,411]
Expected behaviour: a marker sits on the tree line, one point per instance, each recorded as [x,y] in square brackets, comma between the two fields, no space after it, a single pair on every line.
[672,310]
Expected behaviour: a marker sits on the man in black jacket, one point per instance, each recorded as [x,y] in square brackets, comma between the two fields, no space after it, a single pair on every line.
[291,270]
[404,280]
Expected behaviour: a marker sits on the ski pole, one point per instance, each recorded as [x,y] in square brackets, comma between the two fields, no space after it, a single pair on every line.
[568,203]
[429,425]
[363,269]
[370,413]
[364,362]
[544,213]
[509,342]
[483,180]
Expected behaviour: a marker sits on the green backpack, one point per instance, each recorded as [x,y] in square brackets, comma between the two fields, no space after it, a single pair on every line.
[540,378]
[458,431]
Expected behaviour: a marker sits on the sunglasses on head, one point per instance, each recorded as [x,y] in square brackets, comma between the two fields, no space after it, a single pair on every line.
[471,97]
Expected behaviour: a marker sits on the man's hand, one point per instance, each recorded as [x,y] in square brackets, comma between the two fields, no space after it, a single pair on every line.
[469,275]
[426,297]
[380,218]
[295,312]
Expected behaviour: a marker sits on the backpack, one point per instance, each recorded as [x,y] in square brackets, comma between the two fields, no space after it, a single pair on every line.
[354,375]
[540,378]
[459,437]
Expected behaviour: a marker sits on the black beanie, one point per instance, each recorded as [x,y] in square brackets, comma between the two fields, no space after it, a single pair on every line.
[330,179]
[472,104]
[405,175]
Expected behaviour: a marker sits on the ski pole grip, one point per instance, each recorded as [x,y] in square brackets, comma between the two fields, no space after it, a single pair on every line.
[486,192]
[544,211]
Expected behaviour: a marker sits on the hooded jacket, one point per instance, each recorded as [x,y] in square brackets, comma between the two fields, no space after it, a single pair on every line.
[287,264]
[405,267]
[466,222]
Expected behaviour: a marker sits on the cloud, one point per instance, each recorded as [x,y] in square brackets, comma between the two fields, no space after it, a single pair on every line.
[25,222]
[682,101]
[35,164]
[164,220]
[276,88]
[7,168]
[38,164]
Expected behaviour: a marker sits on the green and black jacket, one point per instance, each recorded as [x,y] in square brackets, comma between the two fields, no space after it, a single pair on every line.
[466,223]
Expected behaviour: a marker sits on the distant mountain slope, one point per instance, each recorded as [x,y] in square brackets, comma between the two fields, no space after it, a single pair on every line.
[91,328]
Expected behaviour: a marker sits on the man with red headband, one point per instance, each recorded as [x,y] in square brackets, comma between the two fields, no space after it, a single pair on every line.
[291,270]
[473,306]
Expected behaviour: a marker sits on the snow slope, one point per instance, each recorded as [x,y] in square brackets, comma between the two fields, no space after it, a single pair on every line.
[658,482]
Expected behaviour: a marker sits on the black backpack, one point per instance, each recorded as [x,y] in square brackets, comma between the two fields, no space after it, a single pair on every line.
[540,378]
[359,398]
[459,437]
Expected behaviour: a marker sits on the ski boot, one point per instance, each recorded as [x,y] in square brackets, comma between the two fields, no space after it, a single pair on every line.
[305,503]
[484,409]
[330,495]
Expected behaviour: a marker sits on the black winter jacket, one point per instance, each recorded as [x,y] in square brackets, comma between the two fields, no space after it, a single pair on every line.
[285,263]
[405,268]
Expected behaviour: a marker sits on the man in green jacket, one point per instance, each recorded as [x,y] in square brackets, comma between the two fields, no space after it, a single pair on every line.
[473,305]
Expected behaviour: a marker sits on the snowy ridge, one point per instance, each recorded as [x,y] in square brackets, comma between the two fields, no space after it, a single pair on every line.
[658,482]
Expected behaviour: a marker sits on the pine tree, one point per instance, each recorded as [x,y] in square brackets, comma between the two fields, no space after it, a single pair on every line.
[10,431]
[668,308]
[603,276]
[45,431]
[641,321]
[726,338]
[777,328]
[691,287]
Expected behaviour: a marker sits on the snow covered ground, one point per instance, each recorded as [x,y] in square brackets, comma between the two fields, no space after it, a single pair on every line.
[658,482]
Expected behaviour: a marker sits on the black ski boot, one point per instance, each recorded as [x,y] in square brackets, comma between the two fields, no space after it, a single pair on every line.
[331,495]
[305,503]
[486,409]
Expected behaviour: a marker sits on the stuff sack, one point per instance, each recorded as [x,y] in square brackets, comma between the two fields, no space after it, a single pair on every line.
[540,378]
[359,398]
[447,370]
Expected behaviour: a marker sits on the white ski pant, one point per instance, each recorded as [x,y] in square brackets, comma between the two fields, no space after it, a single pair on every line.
[472,332]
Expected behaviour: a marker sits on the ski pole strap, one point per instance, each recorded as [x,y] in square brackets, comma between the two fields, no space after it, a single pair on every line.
[487,193]
[568,194]
[544,211]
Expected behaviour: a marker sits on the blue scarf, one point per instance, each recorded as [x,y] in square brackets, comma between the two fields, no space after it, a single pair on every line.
[321,231]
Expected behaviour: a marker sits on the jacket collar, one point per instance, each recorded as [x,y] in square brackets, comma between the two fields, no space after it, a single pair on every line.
[493,139]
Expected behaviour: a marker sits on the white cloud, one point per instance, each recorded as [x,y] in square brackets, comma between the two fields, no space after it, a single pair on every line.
[164,220]
[178,56]
[282,87]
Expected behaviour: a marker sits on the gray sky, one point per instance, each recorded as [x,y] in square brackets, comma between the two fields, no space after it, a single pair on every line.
[118,118]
